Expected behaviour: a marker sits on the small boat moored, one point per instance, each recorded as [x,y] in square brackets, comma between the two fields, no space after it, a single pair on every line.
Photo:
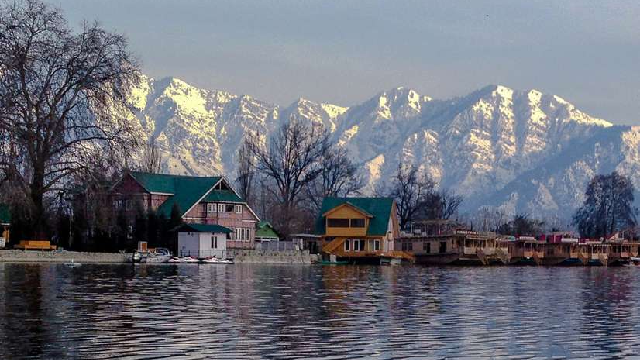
[214,260]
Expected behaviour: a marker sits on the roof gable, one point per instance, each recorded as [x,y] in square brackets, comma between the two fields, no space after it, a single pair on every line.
[265,230]
[350,205]
[379,208]
[185,191]
[216,195]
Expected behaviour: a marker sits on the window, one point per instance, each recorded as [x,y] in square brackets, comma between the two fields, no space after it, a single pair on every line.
[339,223]
[443,247]
[358,245]
[127,205]
[376,245]
[238,209]
[238,234]
[211,207]
[214,241]
[228,208]
[221,208]
[357,223]
[427,248]
[347,245]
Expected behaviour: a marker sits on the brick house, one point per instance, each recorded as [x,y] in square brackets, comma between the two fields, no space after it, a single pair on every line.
[200,200]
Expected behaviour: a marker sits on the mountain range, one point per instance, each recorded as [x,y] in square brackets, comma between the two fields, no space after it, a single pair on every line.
[517,151]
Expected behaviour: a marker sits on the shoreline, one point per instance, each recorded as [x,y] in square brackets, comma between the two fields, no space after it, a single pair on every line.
[64,256]
[35,256]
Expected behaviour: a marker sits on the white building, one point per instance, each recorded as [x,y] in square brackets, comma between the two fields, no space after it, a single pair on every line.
[202,241]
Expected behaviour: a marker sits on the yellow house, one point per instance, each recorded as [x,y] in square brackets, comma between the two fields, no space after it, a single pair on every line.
[360,229]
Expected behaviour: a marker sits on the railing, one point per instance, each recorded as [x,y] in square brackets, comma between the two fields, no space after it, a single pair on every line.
[237,244]
[220,254]
[277,246]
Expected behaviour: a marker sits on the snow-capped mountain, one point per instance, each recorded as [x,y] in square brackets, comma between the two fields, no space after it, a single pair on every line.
[522,150]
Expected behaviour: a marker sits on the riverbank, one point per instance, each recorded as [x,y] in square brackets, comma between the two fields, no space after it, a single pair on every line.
[63,257]
[240,256]
[272,257]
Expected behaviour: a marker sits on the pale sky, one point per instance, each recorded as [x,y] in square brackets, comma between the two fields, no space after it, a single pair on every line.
[346,51]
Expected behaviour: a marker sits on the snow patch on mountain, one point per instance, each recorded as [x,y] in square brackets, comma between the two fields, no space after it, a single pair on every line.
[521,151]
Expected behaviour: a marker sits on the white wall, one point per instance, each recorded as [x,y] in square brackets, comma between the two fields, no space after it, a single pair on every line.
[188,243]
[201,244]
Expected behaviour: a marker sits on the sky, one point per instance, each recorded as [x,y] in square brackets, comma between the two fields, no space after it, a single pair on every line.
[346,51]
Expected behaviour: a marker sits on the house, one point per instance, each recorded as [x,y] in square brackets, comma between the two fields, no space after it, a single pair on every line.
[5,223]
[266,233]
[202,241]
[309,242]
[361,229]
[199,200]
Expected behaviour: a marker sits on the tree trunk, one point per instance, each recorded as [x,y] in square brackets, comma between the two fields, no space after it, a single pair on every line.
[37,198]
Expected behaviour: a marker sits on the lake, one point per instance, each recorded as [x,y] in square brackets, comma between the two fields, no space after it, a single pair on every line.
[328,312]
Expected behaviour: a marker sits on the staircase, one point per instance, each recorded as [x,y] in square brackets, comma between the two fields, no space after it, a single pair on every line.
[333,245]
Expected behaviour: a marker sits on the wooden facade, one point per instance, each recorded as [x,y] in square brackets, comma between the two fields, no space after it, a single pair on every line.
[350,230]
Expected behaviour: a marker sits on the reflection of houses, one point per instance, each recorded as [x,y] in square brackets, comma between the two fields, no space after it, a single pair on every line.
[360,229]
[202,241]
[5,222]
[199,200]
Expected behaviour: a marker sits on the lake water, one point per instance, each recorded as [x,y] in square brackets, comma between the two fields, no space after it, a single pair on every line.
[330,312]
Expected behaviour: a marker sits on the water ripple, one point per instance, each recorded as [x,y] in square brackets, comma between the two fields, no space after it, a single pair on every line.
[341,312]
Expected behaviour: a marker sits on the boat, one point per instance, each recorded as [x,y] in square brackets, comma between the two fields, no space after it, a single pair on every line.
[189,260]
[633,261]
[175,260]
[72,264]
[214,260]
[155,258]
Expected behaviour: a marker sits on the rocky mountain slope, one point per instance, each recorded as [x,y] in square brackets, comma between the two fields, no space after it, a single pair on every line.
[523,151]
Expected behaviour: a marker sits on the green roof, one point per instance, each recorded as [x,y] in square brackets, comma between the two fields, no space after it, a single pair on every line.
[186,190]
[223,195]
[265,230]
[204,228]
[379,208]
[5,214]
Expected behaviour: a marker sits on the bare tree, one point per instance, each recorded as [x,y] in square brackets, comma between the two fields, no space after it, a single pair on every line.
[411,190]
[338,178]
[246,171]
[288,164]
[442,204]
[62,96]
[292,159]
[151,159]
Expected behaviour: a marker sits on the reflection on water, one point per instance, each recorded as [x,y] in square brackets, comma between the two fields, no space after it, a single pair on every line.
[331,312]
